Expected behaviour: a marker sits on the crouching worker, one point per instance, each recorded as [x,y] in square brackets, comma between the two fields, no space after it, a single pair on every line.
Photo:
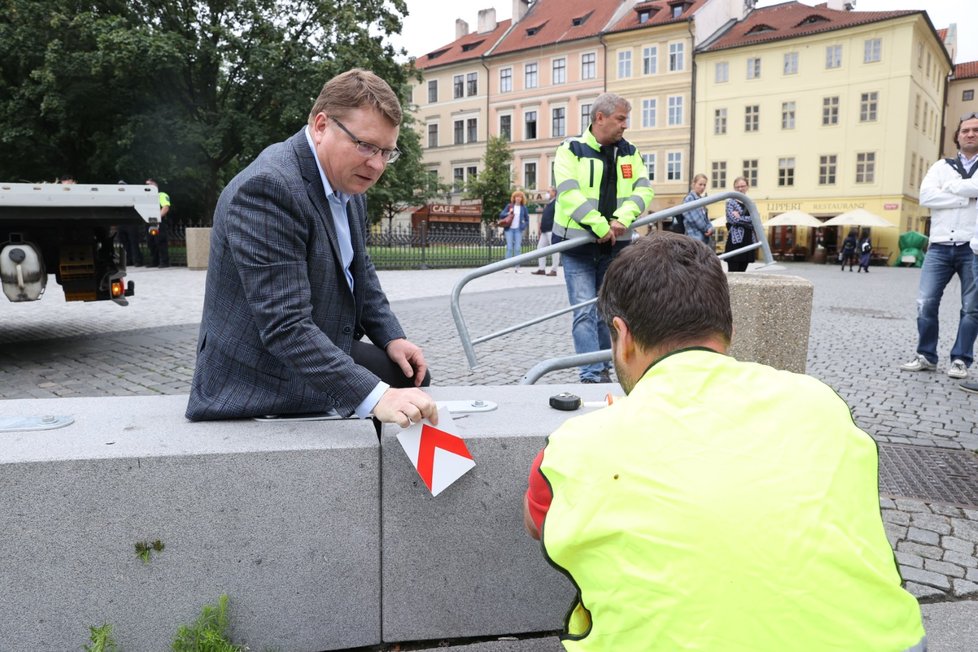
[692,515]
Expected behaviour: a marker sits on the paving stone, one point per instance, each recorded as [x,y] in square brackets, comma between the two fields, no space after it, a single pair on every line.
[928,552]
[945,510]
[964,529]
[971,574]
[896,517]
[944,568]
[962,588]
[923,536]
[933,522]
[958,545]
[909,559]
[930,578]
[961,559]
[909,505]
[895,533]
[922,591]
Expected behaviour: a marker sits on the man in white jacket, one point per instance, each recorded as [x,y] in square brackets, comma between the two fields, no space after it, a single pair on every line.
[949,190]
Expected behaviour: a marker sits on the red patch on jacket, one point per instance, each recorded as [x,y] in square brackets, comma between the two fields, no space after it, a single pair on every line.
[626,171]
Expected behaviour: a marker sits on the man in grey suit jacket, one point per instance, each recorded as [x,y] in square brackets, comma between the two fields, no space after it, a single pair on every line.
[290,288]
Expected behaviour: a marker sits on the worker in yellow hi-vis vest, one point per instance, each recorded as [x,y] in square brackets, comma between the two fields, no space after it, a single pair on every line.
[159,247]
[602,187]
[720,505]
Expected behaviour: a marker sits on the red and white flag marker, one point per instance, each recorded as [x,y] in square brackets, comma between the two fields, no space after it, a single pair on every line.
[440,457]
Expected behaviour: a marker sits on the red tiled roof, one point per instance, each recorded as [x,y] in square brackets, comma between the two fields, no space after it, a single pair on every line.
[661,14]
[794,19]
[470,46]
[558,21]
[966,70]
[942,34]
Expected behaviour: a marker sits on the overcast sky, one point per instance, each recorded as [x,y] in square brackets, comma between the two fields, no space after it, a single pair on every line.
[431,23]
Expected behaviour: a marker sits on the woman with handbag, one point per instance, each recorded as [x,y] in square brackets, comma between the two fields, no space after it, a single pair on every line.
[513,219]
[740,230]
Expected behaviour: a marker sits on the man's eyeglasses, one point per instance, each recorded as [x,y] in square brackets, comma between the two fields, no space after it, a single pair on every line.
[369,149]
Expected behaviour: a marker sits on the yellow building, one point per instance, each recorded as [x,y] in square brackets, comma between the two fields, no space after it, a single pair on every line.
[823,110]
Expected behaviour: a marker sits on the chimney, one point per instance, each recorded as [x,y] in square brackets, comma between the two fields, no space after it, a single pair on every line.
[461,28]
[841,5]
[487,20]
[520,7]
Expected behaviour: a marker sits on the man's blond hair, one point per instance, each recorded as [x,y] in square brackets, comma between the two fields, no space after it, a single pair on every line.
[354,89]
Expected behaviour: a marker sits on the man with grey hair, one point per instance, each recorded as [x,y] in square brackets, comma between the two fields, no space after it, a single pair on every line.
[290,288]
[602,187]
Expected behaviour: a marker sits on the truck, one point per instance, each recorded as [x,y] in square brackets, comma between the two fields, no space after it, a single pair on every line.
[69,230]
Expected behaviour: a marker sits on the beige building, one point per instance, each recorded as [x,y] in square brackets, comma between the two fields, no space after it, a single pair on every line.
[823,110]
[961,100]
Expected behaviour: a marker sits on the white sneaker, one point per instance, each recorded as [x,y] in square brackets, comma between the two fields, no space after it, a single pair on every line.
[957,369]
[919,363]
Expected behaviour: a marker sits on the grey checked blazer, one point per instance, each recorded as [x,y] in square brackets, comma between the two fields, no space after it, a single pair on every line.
[279,317]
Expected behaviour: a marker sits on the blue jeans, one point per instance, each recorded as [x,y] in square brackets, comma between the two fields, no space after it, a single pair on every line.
[514,241]
[583,276]
[940,265]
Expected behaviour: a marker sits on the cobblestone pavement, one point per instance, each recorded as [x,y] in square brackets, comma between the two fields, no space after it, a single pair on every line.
[863,327]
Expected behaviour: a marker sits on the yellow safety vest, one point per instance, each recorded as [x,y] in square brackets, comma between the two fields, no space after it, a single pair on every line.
[724,506]
[578,169]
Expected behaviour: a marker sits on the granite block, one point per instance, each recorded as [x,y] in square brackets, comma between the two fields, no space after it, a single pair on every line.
[772,315]
[282,517]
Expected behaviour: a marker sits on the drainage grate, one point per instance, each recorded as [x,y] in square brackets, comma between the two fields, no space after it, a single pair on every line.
[931,474]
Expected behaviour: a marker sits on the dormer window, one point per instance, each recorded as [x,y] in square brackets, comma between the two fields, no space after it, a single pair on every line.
[758,29]
[580,20]
[811,20]
[676,9]
[532,31]
[645,11]
[436,54]
[472,46]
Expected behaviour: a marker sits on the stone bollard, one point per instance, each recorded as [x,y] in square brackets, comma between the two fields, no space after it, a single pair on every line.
[772,315]
[198,247]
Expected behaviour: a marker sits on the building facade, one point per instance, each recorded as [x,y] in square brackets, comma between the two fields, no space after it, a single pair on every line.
[961,101]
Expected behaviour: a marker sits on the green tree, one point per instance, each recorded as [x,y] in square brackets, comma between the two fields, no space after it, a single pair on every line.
[493,185]
[186,91]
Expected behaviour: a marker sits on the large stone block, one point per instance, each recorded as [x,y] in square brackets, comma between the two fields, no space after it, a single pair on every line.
[461,564]
[198,247]
[772,315]
[282,517]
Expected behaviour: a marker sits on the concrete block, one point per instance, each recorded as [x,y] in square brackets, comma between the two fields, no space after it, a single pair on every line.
[772,316]
[198,247]
[282,517]
[461,564]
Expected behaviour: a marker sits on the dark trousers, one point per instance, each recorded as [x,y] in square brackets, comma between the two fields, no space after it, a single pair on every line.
[159,249]
[130,237]
[374,358]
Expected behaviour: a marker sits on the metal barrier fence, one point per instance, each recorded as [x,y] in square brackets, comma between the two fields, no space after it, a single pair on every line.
[468,344]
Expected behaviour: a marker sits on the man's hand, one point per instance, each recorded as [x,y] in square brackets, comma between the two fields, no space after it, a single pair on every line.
[406,406]
[409,358]
[618,228]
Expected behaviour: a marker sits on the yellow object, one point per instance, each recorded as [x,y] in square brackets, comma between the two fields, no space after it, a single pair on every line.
[724,506]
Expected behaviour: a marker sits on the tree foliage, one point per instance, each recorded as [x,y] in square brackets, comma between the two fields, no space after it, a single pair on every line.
[494,183]
[186,91]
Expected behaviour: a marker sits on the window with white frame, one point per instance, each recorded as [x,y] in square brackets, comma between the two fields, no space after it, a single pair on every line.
[529,125]
[650,60]
[472,84]
[674,166]
[752,117]
[833,56]
[471,130]
[505,80]
[471,173]
[675,110]
[458,86]
[458,179]
[648,113]
[649,165]
[721,72]
[719,122]
[559,71]
[968,95]
[830,111]
[865,167]
[786,171]
[677,53]
[459,132]
[558,122]
[624,64]
[753,68]
[718,174]
[750,172]
[791,63]
[589,65]
[530,75]
[872,50]
[827,164]
[432,91]
[433,134]
[868,104]
[787,115]
[506,127]
[530,174]
[585,116]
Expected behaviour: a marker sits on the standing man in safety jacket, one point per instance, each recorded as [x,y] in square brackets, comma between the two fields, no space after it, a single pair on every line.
[721,505]
[602,187]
